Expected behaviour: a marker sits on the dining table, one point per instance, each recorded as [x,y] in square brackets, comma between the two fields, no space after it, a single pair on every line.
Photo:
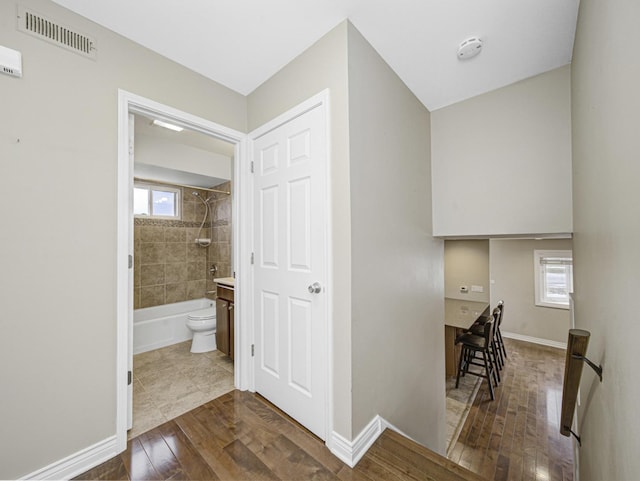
[459,315]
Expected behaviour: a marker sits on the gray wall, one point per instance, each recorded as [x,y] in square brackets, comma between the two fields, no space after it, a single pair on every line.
[513,143]
[466,263]
[606,146]
[324,65]
[397,266]
[511,266]
[58,279]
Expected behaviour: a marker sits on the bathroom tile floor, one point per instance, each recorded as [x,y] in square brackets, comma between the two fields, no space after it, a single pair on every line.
[170,381]
[459,402]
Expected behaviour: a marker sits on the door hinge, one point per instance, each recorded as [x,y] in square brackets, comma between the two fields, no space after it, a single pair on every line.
[129,378]
[252,166]
[130,261]
[253,351]
[252,257]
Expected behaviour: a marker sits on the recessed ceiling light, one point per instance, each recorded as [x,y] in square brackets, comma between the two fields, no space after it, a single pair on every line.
[469,48]
[167,125]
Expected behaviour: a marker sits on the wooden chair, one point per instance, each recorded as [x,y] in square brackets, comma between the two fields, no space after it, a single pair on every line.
[472,345]
[477,328]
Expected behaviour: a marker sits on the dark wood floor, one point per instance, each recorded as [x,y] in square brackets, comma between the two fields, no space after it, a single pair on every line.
[516,437]
[240,436]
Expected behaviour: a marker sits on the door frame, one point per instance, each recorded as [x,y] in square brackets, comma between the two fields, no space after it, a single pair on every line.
[241,222]
[320,100]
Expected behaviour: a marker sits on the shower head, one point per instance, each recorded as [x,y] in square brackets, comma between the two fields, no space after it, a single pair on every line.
[195,193]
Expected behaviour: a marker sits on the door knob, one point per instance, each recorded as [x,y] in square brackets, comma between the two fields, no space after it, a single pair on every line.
[315,288]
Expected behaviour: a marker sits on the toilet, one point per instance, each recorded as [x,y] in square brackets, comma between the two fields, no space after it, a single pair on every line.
[203,325]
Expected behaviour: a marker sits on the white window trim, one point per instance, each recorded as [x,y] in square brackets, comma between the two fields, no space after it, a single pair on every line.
[166,188]
[537,255]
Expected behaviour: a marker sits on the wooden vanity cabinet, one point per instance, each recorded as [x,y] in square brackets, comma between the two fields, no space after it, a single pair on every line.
[224,319]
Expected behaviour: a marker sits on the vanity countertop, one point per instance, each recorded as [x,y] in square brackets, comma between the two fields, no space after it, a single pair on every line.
[225,281]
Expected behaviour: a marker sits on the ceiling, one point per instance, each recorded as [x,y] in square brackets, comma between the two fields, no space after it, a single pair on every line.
[241,43]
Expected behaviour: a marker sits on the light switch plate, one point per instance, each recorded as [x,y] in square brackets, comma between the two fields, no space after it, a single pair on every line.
[477,288]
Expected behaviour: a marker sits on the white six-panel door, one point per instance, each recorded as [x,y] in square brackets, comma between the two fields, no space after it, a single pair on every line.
[290,242]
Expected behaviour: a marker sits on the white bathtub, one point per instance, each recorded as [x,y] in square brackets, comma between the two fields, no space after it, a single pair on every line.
[160,326]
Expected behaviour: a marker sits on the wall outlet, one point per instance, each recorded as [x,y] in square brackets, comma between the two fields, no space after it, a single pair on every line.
[464,289]
[477,288]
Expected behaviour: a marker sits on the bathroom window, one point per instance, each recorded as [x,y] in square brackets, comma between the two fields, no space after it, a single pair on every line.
[158,201]
[553,278]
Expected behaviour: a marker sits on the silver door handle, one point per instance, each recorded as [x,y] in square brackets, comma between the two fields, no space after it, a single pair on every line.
[315,288]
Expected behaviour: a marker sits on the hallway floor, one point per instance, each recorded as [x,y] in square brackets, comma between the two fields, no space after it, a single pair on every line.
[517,436]
[241,436]
[170,381]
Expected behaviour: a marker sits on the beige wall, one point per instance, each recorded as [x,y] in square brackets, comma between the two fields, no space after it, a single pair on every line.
[513,143]
[466,263]
[58,280]
[606,147]
[513,281]
[397,266]
[324,65]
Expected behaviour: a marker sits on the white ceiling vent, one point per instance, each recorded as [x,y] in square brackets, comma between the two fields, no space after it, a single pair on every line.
[60,35]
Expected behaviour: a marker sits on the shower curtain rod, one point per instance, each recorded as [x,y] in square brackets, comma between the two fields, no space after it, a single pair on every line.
[155,181]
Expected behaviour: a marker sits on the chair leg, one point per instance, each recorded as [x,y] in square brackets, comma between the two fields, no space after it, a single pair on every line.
[498,352]
[496,371]
[504,351]
[487,368]
[462,355]
[496,355]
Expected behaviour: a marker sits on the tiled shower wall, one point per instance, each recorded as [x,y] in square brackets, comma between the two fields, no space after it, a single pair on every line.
[219,252]
[168,265]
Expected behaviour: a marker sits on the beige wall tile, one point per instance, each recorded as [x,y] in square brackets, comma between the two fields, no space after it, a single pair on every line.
[175,292]
[196,289]
[175,252]
[175,234]
[189,212]
[175,272]
[136,298]
[196,253]
[196,270]
[152,275]
[151,296]
[152,253]
[151,233]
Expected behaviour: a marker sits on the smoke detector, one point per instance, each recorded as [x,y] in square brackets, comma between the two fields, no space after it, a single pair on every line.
[469,48]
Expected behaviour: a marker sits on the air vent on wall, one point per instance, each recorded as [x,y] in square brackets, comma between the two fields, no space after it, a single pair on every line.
[63,36]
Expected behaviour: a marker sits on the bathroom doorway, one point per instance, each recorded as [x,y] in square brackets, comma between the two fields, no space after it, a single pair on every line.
[182,212]
[191,203]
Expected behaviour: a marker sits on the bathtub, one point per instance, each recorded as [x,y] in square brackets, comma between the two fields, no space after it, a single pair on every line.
[160,326]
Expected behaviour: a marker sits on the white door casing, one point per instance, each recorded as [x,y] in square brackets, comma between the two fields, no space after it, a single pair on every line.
[131,103]
[292,362]
[130,303]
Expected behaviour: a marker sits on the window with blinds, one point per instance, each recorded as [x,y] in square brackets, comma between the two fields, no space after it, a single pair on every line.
[553,271]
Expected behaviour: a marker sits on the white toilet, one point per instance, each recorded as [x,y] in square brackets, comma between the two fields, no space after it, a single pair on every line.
[203,324]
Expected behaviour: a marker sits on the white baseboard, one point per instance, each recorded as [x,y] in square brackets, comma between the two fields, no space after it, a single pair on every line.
[350,452]
[79,462]
[534,340]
